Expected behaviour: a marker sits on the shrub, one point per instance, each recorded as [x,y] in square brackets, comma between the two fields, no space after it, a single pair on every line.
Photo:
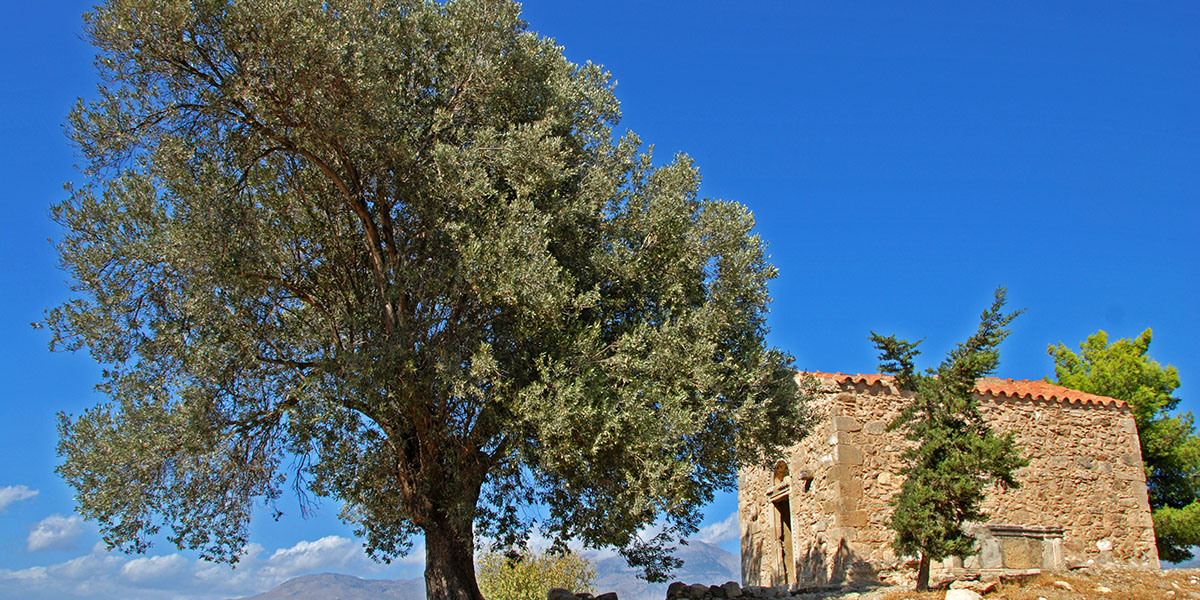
[530,576]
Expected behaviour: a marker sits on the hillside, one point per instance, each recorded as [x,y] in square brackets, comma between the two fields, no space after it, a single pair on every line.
[702,563]
[333,586]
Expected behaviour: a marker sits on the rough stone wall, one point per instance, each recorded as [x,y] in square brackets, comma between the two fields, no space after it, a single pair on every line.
[1085,476]
[758,521]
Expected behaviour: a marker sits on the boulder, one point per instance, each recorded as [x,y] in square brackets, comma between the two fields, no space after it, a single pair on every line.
[963,594]
[732,589]
[676,589]
[559,594]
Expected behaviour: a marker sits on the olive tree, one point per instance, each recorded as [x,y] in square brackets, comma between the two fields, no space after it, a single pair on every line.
[395,254]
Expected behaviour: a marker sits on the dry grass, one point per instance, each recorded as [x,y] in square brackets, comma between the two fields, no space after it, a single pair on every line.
[1090,585]
[915,596]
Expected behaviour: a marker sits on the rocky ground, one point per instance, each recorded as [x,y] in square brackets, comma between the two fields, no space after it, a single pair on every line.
[1089,584]
[1080,584]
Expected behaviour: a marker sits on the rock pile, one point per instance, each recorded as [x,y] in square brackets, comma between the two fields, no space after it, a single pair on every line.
[731,590]
[562,594]
[698,591]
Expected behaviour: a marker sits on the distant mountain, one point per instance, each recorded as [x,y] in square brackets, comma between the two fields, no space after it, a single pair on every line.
[702,563]
[332,586]
[1192,563]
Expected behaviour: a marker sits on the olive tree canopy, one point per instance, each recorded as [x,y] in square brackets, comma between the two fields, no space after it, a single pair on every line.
[391,253]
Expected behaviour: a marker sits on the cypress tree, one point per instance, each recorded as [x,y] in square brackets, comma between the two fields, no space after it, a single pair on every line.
[954,456]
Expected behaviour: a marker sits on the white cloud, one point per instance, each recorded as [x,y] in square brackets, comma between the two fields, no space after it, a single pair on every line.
[104,575]
[716,533]
[89,566]
[55,532]
[32,573]
[651,531]
[329,552]
[597,554]
[81,577]
[11,494]
[414,558]
[154,569]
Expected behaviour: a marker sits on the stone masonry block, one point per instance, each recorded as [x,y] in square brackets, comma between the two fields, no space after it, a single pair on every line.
[841,472]
[850,489]
[876,427]
[854,518]
[848,455]
[846,424]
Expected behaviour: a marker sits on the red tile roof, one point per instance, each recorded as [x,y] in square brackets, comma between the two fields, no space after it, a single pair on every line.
[995,387]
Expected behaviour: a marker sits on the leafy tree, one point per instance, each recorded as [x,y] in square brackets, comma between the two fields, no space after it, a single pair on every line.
[954,455]
[392,253]
[1170,446]
[531,576]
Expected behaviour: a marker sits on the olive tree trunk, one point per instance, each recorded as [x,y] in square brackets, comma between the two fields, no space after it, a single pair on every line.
[450,562]
[449,527]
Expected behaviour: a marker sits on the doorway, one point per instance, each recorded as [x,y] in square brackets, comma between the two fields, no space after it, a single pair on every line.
[783,516]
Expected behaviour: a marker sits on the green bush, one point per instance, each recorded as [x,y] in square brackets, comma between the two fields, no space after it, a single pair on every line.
[530,576]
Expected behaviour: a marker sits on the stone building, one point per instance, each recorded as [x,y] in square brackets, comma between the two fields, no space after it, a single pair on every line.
[821,515]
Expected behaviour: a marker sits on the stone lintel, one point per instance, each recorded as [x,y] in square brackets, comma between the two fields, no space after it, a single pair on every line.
[779,494]
[1008,530]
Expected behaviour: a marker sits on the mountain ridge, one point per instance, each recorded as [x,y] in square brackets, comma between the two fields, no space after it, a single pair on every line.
[339,586]
[702,563]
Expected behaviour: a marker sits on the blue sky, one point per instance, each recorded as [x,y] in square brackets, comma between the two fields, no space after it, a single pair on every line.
[901,161]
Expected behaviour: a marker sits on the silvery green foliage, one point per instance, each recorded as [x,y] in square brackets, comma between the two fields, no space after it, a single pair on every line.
[390,253]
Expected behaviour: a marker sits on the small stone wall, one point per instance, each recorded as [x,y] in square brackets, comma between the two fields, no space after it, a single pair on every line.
[1085,480]
[731,590]
[565,594]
